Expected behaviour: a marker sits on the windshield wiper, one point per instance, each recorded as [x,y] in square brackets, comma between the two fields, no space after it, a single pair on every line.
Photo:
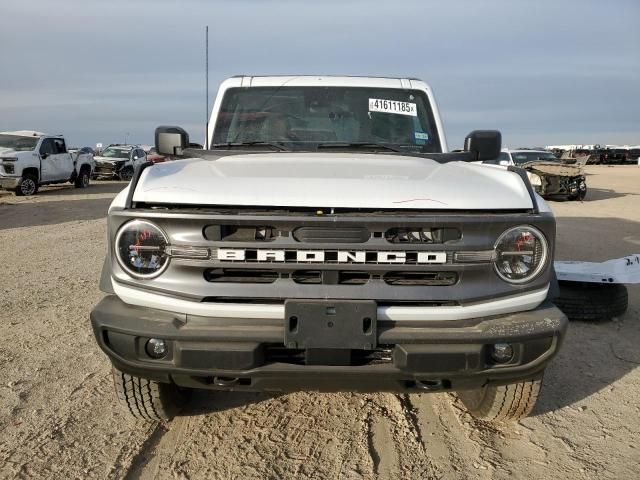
[357,146]
[277,146]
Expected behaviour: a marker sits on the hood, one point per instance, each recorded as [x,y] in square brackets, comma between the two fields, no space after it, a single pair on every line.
[7,152]
[554,168]
[338,180]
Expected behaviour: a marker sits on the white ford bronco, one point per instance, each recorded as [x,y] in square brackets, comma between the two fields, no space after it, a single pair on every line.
[327,240]
[31,159]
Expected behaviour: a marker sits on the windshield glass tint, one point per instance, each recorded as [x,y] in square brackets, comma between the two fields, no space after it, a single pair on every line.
[18,142]
[115,153]
[524,157]
[303,117]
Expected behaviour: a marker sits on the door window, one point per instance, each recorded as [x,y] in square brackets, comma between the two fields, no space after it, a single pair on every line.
[48,147]
[59,145]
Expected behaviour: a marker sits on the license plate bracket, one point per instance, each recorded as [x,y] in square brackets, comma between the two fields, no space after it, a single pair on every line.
[337,324]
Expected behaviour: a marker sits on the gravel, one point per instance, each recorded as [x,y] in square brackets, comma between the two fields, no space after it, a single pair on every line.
[59,418]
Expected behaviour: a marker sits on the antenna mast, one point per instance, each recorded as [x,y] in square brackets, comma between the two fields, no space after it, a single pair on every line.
[206,124]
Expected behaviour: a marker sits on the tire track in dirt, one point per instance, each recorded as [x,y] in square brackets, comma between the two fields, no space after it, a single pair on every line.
[241,435]
[142,463]
[382,451]
[397,439]
[448,452]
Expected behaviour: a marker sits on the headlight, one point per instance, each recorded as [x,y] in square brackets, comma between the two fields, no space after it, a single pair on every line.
[141,249]
[521,254]
[534,179]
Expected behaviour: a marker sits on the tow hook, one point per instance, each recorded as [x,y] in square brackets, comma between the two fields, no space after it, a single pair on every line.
[429,385]
[225,381]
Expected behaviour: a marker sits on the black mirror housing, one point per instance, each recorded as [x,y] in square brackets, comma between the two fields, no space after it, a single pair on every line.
[484,144]
[171,140]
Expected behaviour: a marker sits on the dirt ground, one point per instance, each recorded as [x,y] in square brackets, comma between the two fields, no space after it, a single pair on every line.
[59,418]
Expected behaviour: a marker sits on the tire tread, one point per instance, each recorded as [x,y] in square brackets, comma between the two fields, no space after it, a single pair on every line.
[146,399]
[592,302]
[502,403]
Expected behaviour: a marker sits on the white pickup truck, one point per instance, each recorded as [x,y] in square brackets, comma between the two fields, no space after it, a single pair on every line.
[30,159]
[327,240]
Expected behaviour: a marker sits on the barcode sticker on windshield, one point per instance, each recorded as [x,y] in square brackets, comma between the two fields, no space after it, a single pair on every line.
[392,106]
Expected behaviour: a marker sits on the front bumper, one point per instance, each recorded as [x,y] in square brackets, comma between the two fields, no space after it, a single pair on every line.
[249,354]
[107,169]
[9,183]
[557,185]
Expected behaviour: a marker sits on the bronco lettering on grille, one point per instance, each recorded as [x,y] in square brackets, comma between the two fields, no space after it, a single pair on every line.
[328,256]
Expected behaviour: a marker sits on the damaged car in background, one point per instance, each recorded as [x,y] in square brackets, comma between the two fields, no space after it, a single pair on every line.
[119,161]
[549,177]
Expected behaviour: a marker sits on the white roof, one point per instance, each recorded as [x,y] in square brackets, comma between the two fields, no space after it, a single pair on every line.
[325,80]
[25,133]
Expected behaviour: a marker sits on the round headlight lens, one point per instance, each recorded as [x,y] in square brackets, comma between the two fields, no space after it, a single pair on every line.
[521,254]
[141,249]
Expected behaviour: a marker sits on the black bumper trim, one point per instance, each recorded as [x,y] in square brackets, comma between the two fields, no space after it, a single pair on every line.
[450,354]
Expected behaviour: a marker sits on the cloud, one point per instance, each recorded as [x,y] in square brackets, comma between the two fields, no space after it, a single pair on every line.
[541,72]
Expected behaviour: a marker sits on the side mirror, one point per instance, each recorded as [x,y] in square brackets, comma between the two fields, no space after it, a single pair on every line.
[171,140]
[484,144]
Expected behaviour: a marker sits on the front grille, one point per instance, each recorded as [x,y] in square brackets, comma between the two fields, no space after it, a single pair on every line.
[230,275]
[331,234]
[330,277]
[422,235]
[240,233]
[427,279]
[302,277]
[105,169]
[280,354]
[268,257]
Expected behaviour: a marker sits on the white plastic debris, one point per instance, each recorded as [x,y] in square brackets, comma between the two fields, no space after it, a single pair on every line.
[618,270]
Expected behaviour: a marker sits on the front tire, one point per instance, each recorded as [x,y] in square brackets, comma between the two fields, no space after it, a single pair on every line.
[593,302]
[503,403]
[146,399]
[82,180]
[28,186]
[126,174]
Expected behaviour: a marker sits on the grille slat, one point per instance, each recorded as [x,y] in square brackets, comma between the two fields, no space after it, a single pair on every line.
[433,235]
[331,234]
[427,279]
[228,275]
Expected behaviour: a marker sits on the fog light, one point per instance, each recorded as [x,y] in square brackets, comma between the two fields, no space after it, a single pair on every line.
[156,348]
[502,352]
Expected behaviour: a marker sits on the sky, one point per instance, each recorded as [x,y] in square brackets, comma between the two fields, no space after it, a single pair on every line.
[543,72]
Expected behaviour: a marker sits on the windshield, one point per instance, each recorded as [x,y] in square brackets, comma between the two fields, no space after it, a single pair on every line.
[524,157]
[304,117]
[115,152]
[18,142]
